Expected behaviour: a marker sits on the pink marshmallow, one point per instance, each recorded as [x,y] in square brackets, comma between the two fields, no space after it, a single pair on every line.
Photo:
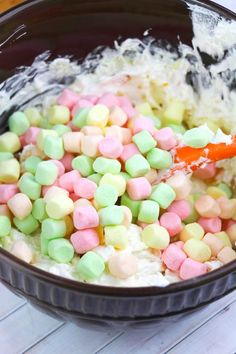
[84,188]
[165,138]
[207,207]
[60,167]
[108,99]
[85,217]
[206,172]
[31,135]
[181,208]
[110,147]
[173,257]
[84,240]
[129,150]
[7,191]
[67,161]
[211,225]
[68,98]
[143,123]
[227,208]
[171,222]
[126,105]
[69,179]
[138,188]
[190,269]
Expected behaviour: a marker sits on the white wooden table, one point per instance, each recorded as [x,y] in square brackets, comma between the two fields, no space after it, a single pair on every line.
[208,331]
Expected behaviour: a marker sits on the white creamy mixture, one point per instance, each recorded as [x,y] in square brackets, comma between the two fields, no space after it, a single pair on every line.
[144,77]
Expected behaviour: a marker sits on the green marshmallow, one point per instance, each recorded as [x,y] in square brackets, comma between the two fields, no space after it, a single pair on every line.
[157,121]
[6,156]
[26,226]
[197,137]
[60,250]
[58,114]
[46,173]
[9,171]
[225,188]
[159,159]
[104,165]
[90,266]
[5,226]
[95,177]
[44,245]
[42,136]
[105,195]
[80,118]
[9,142]
[149,211]
[111,215]
[133,205]
[31,164]
[53,228]
[83,164]
[18,123]
[33,115]
[137,166]
[144,141]
[61,129]
[29,186]
[39,209]
[53,147]
[163,194]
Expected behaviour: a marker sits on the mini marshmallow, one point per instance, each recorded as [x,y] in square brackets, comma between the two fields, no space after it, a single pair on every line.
[173,257]
[180,207]
[165,138]
[22,250]
[123,266]
[68,98]
[181,185]
[212,225]
[84,240]
[90,145]
[171,222]
[191,269]
[72,142]
[128,151]
[207,207]
[138,188]
[206,172]
[110,147]
[143,123]
[7,191]
[84,188]
[117,116]
[85,217]
[20,205]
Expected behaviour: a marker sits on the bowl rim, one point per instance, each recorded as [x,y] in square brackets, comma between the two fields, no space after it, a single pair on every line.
[111,290]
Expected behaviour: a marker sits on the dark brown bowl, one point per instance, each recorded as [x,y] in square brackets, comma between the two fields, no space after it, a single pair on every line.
[76,27]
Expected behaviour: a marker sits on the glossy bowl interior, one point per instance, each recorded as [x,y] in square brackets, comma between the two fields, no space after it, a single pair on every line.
[76,27]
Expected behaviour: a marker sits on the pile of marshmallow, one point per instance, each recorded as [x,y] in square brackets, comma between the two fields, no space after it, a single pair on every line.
[86,169]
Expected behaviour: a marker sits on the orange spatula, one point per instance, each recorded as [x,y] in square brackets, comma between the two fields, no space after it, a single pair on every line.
[189,159]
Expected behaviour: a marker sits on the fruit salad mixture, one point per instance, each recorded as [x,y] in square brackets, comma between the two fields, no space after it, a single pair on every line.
[84,186]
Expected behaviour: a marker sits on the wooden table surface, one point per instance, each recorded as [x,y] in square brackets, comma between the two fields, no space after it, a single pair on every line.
[23,329]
